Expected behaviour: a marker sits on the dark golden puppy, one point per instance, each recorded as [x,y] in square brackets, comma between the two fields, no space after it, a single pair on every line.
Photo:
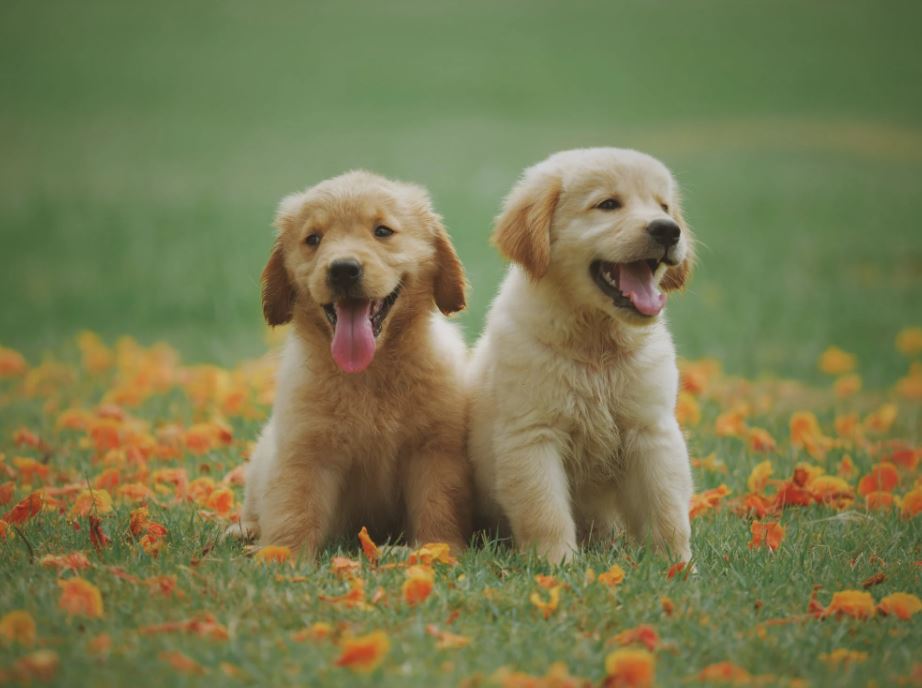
[368,423]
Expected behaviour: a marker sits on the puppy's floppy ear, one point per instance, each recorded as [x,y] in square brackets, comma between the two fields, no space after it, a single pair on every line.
[676,276]
[278,292]
[523,229]
[450,285]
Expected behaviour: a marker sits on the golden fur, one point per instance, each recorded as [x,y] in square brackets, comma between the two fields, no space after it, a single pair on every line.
[385,447]
[573,430]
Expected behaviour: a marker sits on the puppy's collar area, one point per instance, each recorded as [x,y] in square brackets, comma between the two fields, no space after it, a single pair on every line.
[631,286]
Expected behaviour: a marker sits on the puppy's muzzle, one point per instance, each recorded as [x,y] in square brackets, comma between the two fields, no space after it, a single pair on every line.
[664,232]
[345,275]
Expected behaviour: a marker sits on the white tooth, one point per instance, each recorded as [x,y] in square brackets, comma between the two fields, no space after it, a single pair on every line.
[609,279]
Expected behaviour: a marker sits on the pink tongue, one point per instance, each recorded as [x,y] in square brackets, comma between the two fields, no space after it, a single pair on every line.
[353,344]
[636,282]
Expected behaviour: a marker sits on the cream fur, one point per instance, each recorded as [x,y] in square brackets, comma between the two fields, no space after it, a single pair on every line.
[573,431]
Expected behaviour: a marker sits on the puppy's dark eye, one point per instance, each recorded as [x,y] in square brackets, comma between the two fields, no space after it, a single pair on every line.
[665,207]
[609,204]
[383,232]
[312,239]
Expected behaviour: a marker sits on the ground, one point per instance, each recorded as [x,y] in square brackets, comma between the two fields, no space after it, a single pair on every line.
[123,471]
[145,149]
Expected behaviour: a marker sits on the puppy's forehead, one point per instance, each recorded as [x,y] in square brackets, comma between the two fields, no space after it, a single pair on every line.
[326,206]
[615,170]
[638,176]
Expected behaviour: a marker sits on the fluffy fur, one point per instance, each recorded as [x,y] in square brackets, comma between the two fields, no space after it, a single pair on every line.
[573,431]
[384,447]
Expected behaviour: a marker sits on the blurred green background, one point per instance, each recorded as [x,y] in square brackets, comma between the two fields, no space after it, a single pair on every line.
[145,146]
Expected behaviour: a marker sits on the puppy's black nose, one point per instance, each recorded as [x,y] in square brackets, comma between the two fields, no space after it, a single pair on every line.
[665,232]
[345,273]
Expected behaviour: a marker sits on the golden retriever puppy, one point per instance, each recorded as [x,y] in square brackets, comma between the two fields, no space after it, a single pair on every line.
[368,426]
[574,380]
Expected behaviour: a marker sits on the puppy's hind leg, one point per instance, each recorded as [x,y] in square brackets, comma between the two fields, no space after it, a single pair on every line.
[439,495]
[247,527]
[254,479]
[299,505]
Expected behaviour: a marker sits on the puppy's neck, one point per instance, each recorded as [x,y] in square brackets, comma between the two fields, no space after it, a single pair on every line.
[586,334]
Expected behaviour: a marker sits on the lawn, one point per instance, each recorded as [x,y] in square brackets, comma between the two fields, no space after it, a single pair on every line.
[144,150]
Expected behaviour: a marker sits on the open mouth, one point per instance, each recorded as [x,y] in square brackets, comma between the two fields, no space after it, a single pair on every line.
[377,312]
[631,286]
[356,324]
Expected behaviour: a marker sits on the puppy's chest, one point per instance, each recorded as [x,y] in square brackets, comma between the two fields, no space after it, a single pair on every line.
[594,409]
[371,425]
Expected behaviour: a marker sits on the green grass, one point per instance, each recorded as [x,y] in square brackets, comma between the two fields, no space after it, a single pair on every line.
[486,596]
[145,148]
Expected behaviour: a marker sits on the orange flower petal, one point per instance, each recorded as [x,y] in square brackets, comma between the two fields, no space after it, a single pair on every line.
[641,635]
[221,501]
[368,546]
[614,576]
[96,502]
[909,341]
[79,597]
[768,534]
[418,585]
[432,552]
[317,631]
[364,653]
[882,478]
[181,662]
[18,626]
[344,567]
[273,554]
[855,603]
[446,640]
[25,510]
[760,440]
[879,501]
[724,672]
[549,606]
[835,361]
[912,503]
[12,363]
[630,668]
[75,561]
[902,605]
[759,476]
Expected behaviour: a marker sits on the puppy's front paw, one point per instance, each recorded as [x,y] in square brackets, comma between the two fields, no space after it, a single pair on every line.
[557,552]
[245,531]
[675,540]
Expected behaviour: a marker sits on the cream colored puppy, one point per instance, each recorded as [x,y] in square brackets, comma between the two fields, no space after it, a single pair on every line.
[574,381]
